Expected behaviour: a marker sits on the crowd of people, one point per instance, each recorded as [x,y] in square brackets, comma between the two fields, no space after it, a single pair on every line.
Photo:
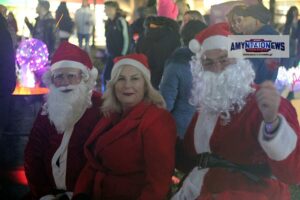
[172,99]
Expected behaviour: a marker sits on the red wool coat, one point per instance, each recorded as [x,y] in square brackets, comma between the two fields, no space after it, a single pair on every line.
[130,158]
[238,142]
[43,143]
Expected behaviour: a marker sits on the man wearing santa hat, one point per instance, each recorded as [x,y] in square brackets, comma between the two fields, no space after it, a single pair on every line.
[244,138]
[54,154]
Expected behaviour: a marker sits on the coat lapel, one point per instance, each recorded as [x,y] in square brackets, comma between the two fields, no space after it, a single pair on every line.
[105,133]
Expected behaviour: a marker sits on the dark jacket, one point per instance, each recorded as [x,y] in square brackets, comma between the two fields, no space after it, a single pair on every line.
[117,37]
[176,86]
[7,72]
[265,68]
[158,44]
[7,62]
[66,24]
[44,29]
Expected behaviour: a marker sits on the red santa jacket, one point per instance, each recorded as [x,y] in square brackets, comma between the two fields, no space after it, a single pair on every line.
[240,142]
[43,143]
[130,158]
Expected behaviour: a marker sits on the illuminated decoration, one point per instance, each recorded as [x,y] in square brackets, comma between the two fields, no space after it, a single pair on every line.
[32,53]
[288,79]
[32,58]
[19,90]
[16,176]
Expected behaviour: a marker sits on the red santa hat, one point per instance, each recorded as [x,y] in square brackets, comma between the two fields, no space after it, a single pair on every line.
[213,37]
[136,60]
[69,55]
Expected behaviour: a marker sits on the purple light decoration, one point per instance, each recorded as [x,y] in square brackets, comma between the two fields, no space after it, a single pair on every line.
[32,53]
[288,79]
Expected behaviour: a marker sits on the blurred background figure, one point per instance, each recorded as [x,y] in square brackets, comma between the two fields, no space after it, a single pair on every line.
[234,20]
[84,22]
[11,24]
[117,37]
[292,28]
[3,10]
[255,20]
[218,12]
[11,20]
[7,73]
[64,21]
[137,28]
[176,80]
[44,27]
[167,8]
[191,15]
[183,7]
[161,38]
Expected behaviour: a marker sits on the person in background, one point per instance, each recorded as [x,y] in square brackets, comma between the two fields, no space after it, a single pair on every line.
[255,20]
[7,73]
[292,28]
[176,80]
[84,22]
[161,38]
[64,21]
[11,24]
[183,7]
[12,21]
[191,15]
[131,150]
[3,10]
[167,8]
[117,37]
[235,20]
[44,27]
[242,136]
[137,28]
[12,28]
[54,154]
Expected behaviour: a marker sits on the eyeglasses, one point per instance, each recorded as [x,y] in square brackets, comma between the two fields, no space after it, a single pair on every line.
[208,63]
[71,77]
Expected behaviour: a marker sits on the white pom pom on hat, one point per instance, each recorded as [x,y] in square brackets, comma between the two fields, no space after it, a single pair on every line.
[213,37]
[194,46]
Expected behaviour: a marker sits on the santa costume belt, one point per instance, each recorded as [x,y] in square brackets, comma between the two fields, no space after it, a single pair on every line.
[254,172]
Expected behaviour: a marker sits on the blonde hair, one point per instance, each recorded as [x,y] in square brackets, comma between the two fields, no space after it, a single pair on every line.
[112,104]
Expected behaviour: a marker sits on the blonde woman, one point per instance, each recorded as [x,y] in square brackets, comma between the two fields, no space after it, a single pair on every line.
[130,153]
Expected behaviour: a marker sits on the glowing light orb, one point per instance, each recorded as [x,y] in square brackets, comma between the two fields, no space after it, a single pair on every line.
[32,53]
[288,79]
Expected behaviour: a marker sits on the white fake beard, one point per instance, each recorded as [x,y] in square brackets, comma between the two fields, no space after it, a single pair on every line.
[222,92]
[65,108]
